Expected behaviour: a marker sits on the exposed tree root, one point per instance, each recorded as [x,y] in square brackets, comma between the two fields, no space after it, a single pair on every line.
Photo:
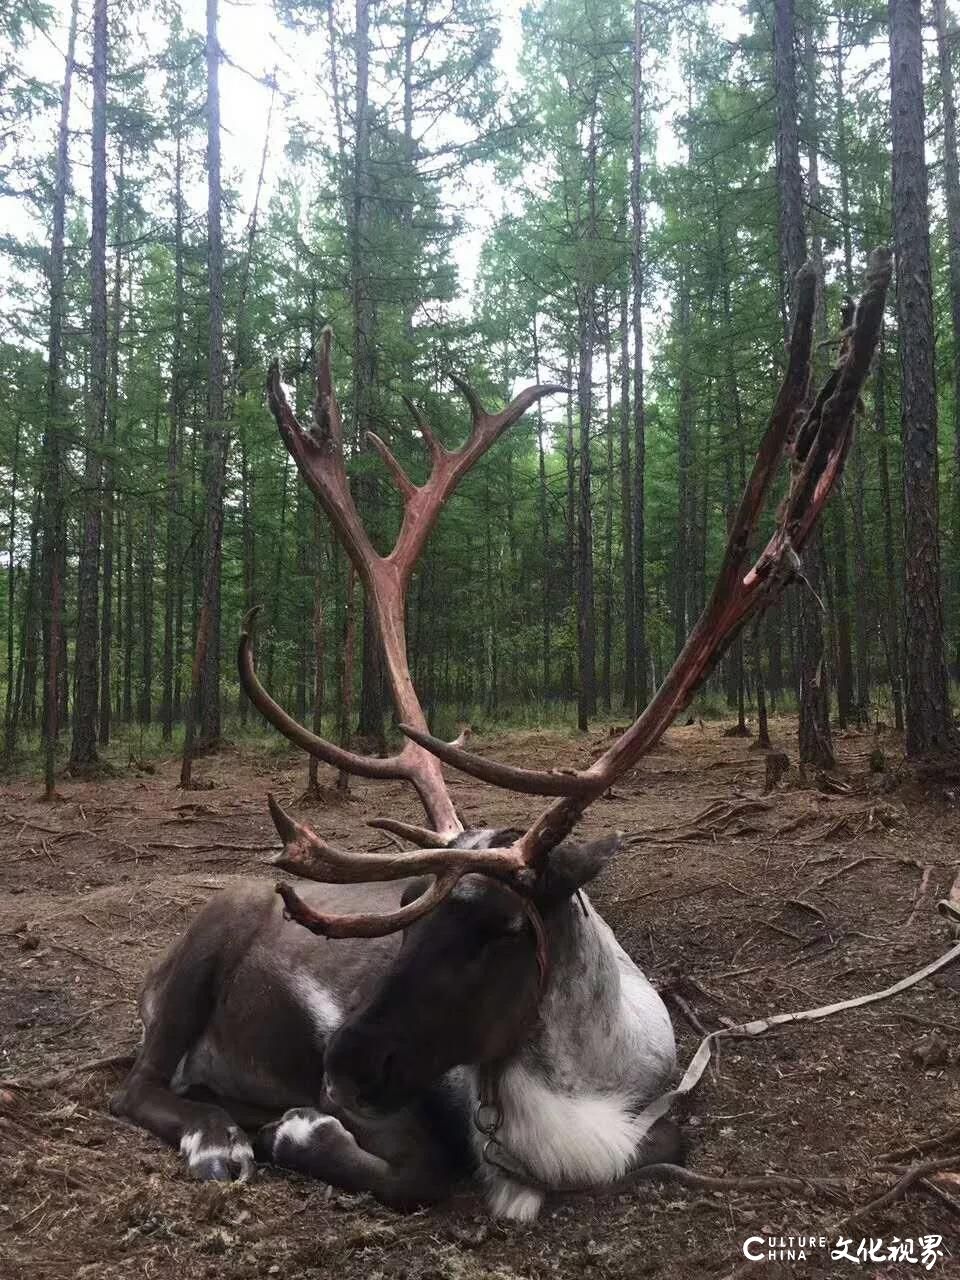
[125,1060]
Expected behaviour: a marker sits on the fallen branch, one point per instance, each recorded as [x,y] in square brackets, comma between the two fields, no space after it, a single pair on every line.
[914,1174]
[926,1144]
[931,1185]
[23,1083]
[749,1182]
[271,847]
[686,1010]
[868,857]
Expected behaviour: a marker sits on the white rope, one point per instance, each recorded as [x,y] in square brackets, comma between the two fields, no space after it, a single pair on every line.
[698,1064]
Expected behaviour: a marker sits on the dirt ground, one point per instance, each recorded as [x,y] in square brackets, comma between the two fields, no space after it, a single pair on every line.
[742,904]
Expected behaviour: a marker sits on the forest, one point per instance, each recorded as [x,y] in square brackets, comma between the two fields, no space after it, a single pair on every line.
[521,407]
[649,181]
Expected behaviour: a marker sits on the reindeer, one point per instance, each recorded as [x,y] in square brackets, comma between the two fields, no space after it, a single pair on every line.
[478,1019]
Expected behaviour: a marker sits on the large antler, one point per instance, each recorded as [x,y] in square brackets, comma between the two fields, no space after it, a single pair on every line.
[319,455]
[818,449]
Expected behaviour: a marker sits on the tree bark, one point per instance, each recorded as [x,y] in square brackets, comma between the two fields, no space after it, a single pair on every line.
[586,337]
[544,515]
[638,215]
[951,174]
[203,717]
[685,413]
[570,524]
[815,741]
[606,657]
[626,516]
[929,726]
[109,486]
[9,733]
[319,647]
[172,570]
[893,610]
[83,749]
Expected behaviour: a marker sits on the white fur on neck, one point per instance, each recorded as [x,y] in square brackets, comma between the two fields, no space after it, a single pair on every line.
[566,1140]
[578,1126]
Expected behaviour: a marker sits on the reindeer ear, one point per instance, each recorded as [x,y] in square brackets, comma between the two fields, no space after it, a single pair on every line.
[415,889]
[570,866]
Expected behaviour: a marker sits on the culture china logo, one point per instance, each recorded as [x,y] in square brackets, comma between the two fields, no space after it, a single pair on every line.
[925,1251]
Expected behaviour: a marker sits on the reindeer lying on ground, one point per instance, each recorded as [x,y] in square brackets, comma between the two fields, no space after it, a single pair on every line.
[479,1018]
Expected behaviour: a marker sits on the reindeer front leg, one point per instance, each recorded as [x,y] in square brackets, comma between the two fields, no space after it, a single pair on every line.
[319,1145]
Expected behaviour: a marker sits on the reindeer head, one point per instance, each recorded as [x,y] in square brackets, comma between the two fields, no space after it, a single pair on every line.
[475,952]
[473,966]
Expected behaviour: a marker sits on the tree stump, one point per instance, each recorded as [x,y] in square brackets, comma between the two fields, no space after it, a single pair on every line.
[778,764]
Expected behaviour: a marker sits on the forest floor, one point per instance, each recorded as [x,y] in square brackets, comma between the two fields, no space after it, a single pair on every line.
[742,903]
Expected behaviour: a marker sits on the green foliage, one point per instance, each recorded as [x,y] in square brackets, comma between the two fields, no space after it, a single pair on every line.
[492,616]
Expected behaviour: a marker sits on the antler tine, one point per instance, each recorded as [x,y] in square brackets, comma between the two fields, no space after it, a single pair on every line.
[813,486]
[366,925]
[306,855]
[404,484]
[326,407]
[421,836]
[423,426]
[488,427]
[477,410]
[533,782]
[736,596]
[338,757]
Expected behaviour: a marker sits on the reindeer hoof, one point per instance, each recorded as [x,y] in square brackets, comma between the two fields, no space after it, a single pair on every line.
[299,1136]
[216,1153]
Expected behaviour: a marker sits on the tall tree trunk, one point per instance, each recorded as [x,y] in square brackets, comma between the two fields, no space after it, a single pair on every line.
[319,647]
[606,657]
[346,671]
[147,595]
[242,359]
[840,557]
[9,734]
[364,360]
[128,631]
[83,749]
[570,524]
[951,174]
[626,515]
[23,705]
[815,741]
[203,717]
[638,215]
[892,613]
[793,248]
[929,725]
[172,569]
[685,414]
[544,516]
[586,316]
[109,486]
